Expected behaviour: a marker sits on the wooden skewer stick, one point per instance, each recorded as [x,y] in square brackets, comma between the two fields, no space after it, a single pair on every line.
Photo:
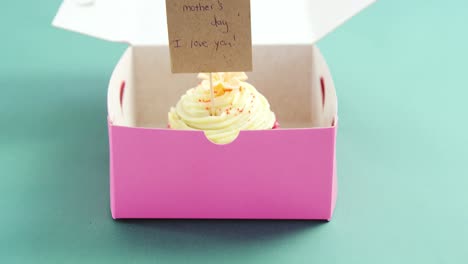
[213,110]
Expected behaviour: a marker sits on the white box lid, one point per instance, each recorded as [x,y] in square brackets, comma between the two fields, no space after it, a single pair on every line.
[143,22]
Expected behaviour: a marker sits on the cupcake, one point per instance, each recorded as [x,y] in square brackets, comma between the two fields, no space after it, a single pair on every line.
[237,106]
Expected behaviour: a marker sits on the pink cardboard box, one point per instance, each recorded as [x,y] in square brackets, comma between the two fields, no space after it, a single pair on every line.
[156,172]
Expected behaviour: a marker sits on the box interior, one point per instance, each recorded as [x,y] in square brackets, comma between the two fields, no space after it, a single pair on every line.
[294,78]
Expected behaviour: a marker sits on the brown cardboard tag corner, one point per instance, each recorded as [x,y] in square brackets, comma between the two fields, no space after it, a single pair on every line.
[209,35]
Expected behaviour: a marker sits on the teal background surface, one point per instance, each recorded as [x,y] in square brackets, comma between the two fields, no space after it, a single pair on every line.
[400,72]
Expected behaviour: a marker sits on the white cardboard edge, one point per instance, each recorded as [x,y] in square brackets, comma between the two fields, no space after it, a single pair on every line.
[343,20]
[143,22]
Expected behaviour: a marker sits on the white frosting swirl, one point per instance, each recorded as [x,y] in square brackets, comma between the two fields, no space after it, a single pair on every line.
[238,106]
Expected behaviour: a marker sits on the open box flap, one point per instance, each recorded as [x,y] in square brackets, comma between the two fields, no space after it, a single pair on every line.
[143,22]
